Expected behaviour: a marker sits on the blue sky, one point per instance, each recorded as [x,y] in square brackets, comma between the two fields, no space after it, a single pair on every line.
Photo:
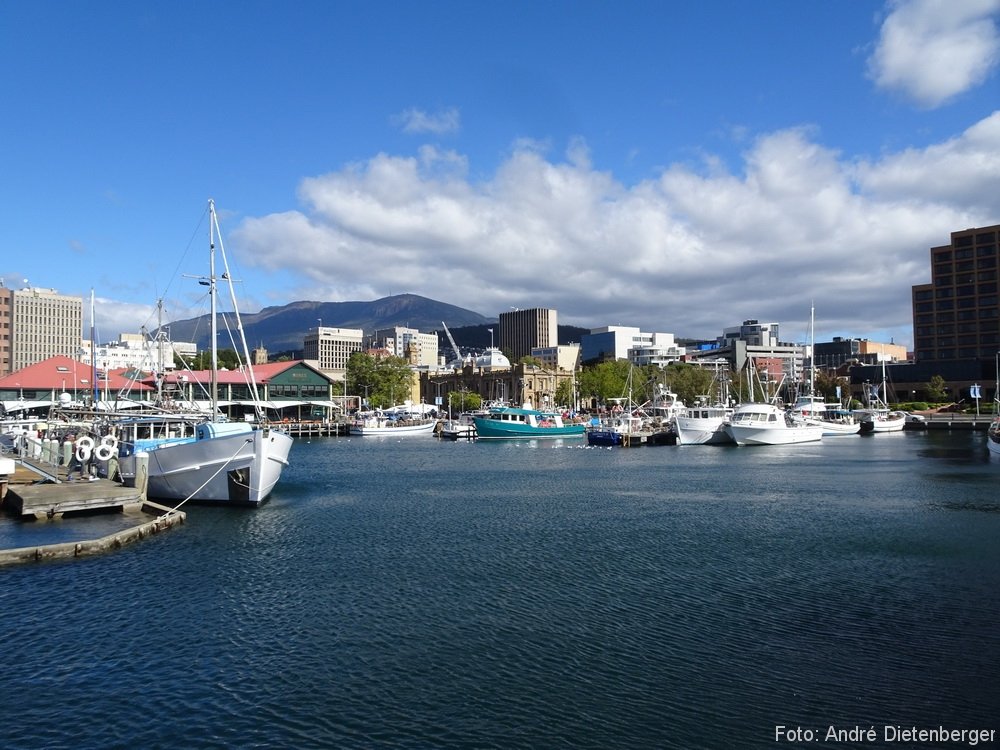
[675,166]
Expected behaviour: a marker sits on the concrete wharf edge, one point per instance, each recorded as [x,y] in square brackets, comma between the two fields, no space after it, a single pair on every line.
[46,499]
[167,519]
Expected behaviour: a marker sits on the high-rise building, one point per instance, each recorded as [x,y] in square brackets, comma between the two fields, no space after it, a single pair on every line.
[524,330]
[957,315]
[330,348]
[43,324]
[419,349]
[6,330]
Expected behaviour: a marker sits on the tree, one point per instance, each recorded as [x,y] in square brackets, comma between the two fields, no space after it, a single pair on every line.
[936,389]
[564,393]
[228,359]
[383,381]
[689,382]
[464,401]
[604,381]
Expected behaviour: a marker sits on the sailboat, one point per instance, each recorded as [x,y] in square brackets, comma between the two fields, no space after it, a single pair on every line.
[993,432]
[877,417]
[207,459]
[810,409]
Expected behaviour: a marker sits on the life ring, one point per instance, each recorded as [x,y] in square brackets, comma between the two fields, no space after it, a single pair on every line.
[85,442]
[104,452]
[111,441]
[82,452]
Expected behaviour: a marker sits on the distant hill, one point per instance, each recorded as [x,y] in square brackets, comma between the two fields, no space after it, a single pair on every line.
[283,329]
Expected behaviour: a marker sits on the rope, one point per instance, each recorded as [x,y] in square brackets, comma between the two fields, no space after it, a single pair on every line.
[217,472]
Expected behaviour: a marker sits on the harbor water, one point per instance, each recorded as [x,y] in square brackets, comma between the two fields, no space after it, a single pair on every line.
[414,593]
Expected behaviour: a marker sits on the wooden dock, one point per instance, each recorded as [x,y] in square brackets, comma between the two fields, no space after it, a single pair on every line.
[41,490]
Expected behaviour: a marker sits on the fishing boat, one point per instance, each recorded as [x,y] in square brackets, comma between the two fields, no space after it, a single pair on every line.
[621,429]
[507,422]
[382,423]
[703,425]
[767,424]
[203,457]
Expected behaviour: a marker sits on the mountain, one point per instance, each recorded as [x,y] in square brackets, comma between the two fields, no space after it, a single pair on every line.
[281,329]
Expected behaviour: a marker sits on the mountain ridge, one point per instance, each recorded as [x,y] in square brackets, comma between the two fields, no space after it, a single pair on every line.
[283,327]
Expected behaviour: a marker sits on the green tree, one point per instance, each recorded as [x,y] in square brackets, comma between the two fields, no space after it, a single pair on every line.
[228,359]
[936,389]
[605,380]
[383,381]
[564,394]
[459,401]
[689,382]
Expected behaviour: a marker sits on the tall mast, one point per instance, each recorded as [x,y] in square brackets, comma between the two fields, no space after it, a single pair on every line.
[93,353]
[211,295]
[812,349]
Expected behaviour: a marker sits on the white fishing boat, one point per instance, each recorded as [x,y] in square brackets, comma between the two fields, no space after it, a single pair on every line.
[387,423]
[199,458]
[703,425]
[767,424]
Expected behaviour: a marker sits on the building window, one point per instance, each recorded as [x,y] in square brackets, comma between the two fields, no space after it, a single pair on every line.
[985,237]
[945,280]
[965,241]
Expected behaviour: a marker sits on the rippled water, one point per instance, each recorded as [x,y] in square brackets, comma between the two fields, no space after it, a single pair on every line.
[420,594]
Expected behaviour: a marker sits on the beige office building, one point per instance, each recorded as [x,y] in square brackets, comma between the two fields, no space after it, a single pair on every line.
[331,348]
[524,330]
[43,324]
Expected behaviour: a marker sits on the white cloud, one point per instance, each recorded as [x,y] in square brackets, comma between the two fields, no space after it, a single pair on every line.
[933,50]
[688,252]
[417,121]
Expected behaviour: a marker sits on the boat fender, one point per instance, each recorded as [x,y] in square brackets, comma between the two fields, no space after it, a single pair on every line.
[104,452]
[111,441]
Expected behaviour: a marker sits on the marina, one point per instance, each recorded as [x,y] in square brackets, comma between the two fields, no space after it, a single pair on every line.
[524,594]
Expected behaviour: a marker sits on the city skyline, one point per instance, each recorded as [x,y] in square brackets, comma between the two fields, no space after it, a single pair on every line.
[656,165]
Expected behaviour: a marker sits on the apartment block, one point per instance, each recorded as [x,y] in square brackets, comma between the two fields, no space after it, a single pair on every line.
[957,315]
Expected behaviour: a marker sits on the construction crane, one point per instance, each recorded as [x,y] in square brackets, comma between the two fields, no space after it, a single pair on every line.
[458,355]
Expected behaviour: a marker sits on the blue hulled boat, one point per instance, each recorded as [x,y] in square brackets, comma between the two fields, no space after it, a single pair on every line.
[505,423]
